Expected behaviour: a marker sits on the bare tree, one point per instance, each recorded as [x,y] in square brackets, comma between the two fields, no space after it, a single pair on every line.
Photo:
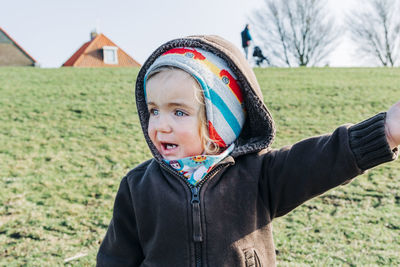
[294,32]
[376,30]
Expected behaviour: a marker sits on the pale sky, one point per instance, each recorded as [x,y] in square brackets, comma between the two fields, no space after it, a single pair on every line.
[52,30]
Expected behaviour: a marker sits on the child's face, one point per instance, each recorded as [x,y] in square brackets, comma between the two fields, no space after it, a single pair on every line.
[174,126]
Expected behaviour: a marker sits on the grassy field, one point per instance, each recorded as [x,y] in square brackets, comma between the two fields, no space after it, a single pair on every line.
[67,136]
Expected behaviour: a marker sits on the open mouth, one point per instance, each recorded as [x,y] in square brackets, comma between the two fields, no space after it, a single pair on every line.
[169,146]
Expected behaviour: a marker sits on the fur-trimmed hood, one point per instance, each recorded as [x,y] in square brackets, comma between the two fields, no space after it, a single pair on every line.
[258,131]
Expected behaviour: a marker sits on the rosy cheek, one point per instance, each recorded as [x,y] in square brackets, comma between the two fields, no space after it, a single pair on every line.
[151,131]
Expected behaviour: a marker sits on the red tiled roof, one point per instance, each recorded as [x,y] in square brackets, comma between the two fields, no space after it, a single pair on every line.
[76,55]
[17,45]
[90,55]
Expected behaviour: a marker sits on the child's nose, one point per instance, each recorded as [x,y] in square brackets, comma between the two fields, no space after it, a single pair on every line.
[163,124]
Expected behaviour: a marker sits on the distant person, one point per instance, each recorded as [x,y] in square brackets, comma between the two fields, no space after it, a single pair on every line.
[208,196]
[246,38]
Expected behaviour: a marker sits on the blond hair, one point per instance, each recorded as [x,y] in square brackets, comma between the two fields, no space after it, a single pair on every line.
[209,145]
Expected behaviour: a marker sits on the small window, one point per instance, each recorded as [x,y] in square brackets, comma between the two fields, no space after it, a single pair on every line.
[110,55]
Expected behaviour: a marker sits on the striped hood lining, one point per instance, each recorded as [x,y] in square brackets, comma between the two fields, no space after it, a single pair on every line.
[223,97]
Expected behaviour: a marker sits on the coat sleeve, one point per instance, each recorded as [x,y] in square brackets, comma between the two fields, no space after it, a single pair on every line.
[310,167]
[121,246]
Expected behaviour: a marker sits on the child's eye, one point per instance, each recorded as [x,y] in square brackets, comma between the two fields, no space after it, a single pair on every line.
[180,113]
[153,111]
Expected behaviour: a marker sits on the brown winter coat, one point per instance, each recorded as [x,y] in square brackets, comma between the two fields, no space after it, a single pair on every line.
[161,220]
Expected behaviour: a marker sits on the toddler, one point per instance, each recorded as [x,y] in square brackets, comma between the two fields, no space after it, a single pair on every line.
[208,196]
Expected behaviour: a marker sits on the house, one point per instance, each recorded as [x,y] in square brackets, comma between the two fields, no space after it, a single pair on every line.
[12,54]
[100,52]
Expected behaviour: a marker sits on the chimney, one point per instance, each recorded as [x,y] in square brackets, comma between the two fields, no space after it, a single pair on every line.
[93,34]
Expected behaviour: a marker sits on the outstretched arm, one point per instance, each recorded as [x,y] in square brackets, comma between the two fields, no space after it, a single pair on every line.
[392,126]
[312,166]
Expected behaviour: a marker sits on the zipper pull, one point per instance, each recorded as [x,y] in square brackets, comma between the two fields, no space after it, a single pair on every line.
[197,235]
[195,195]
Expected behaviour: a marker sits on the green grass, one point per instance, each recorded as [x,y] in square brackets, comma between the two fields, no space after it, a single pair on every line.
[67,136]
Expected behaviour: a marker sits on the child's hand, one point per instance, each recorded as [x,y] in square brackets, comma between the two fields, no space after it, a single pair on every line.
[392,125]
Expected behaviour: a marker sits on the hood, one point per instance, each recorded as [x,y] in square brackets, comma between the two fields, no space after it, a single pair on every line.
[258,130]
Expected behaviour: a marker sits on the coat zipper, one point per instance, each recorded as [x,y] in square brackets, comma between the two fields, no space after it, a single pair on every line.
[197,234]
[195,201]
[196,211]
